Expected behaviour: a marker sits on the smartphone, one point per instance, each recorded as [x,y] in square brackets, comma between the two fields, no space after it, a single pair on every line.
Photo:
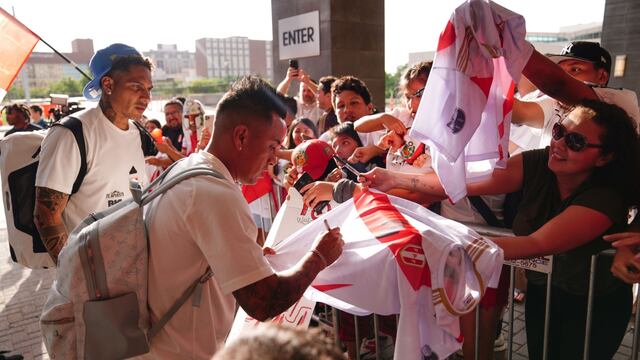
[346,165]
[293,63]
[303,181]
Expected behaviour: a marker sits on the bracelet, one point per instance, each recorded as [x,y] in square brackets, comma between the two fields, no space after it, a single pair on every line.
[315,251]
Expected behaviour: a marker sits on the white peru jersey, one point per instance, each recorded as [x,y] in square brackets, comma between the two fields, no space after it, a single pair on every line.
[400,258]
[465,114]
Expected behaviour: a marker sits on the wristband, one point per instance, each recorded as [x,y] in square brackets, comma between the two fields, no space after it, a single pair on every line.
[315,251]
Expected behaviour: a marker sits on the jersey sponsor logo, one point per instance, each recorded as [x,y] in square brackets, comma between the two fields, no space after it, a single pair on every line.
[457,121]
[114,197]
[115,194]
[113,202]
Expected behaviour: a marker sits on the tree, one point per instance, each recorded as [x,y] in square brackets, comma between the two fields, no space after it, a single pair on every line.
[391,81]
[201,86]
[15,92]
[67,86]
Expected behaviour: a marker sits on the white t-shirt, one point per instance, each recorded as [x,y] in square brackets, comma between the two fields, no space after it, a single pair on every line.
[311,112]
[523,136]
[555,111]
[114,156]
[201,221]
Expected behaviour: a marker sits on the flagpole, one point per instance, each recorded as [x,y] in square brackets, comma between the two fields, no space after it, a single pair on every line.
[52,48]
[65,58]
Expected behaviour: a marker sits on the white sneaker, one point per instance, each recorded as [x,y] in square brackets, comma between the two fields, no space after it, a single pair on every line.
[500,345]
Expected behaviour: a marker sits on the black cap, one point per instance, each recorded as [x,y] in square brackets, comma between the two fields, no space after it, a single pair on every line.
[585,51]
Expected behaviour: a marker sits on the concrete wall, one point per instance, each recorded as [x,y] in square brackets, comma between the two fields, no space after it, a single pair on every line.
[621,36]
[257,59]
[351,41]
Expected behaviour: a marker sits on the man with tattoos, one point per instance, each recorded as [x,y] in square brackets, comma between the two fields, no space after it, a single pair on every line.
[205,221]
[123,85]
[18,116]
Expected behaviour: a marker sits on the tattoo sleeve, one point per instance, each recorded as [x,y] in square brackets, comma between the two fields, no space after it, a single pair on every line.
[271,296]
[414,184]
[48,219]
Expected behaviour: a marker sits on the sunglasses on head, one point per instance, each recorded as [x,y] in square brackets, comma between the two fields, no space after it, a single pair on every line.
[575,141]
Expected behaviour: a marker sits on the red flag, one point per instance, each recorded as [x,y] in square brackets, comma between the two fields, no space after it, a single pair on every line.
[16,44]
[259,189]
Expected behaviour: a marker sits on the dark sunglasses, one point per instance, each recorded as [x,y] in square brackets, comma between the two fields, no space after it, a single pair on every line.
[417,94]
[575,141]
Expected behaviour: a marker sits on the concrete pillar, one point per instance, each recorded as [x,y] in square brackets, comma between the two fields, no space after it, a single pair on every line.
[351,41]
[621,37]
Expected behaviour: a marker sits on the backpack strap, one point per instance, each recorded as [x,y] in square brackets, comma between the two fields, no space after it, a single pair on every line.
[181,300]
[146,140]
[75,126]
[484,210]
[137,191]
[150,193]
[155,189]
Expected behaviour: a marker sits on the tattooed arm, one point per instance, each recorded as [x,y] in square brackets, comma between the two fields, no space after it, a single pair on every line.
[48,219]
[501,181]
[272,295]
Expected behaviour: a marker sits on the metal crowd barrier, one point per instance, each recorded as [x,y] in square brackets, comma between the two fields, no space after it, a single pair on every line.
[491,231]
[331,325]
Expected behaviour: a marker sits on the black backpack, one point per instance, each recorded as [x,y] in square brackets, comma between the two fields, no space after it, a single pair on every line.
[25,244]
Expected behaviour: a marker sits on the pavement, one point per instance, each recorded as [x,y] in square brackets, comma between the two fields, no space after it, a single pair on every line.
[520,338]
[22,294]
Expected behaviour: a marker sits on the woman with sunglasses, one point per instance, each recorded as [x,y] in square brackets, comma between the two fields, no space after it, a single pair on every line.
[574,192]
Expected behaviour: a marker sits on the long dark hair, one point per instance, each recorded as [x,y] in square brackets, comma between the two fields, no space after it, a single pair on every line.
[619,139]
[308,123]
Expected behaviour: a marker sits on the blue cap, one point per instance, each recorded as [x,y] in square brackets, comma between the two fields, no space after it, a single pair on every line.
[101,63]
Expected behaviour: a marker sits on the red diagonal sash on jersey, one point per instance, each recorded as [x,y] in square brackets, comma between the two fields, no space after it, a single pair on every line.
[386,223]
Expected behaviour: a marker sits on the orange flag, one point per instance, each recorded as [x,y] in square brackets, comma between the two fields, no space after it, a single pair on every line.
[16,44]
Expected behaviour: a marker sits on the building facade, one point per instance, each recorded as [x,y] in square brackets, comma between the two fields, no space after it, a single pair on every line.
[620,36]
[45,68]
[171,63]
[544,42]
[233,56]
[351,42]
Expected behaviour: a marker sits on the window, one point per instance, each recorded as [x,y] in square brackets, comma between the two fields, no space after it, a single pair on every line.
[620,64]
